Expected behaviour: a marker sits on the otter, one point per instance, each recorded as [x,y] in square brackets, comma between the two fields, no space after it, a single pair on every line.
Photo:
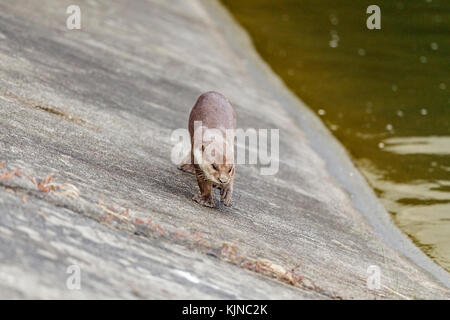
[212,124]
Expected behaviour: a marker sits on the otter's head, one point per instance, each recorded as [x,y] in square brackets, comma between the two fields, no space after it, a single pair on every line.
[216,160]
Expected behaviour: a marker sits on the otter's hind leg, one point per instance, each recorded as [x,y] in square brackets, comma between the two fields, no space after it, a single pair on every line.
[186,165]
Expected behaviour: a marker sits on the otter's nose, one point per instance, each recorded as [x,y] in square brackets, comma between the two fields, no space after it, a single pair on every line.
[223,180]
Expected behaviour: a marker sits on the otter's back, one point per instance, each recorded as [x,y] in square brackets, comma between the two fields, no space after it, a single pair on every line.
[214,111]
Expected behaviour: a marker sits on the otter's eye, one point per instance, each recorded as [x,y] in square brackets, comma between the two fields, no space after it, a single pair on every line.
[214,167]
[229,171]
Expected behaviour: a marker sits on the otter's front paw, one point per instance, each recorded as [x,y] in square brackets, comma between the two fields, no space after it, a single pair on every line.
[206,201]
[226,193]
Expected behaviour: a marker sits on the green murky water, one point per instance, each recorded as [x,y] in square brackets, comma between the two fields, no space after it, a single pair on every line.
[383,93]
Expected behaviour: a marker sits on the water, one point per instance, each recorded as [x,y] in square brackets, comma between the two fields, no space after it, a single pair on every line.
[383,93]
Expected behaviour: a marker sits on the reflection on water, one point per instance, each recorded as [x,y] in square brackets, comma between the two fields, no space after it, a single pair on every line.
[383,93]
[420,208]
[418,145]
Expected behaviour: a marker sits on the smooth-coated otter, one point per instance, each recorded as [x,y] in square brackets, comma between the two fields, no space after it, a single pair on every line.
[212,123]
